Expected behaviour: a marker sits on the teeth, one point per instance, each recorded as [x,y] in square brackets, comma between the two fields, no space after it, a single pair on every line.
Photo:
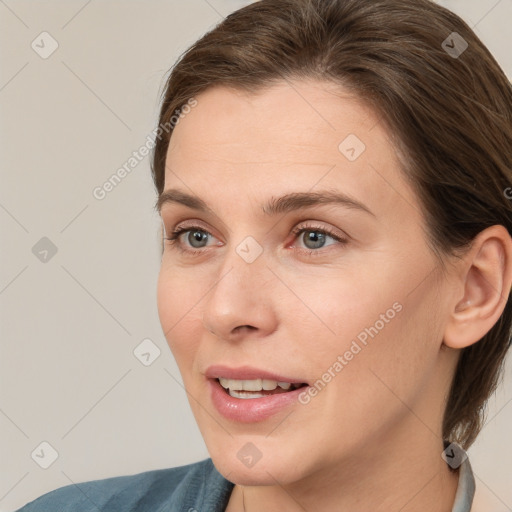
[238,394]
[253,385]
[269,385]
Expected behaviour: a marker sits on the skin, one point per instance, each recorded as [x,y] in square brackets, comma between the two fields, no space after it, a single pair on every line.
[371,439]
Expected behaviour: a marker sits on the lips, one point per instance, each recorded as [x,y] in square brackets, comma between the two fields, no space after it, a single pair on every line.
[239,394]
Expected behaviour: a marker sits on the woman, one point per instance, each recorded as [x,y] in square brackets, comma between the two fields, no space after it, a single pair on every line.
[332,178]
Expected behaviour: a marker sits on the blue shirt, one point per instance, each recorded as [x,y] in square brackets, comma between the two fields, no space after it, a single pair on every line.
[197,487]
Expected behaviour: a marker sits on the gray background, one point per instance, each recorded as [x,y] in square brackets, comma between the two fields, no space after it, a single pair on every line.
[69,325]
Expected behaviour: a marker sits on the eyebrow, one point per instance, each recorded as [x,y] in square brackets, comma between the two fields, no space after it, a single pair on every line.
[286,203]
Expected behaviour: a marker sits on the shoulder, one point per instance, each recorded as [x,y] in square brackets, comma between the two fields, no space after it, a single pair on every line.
[190,486]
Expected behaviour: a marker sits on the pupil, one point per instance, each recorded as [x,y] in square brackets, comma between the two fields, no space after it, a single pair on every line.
[317,238]
[196,236]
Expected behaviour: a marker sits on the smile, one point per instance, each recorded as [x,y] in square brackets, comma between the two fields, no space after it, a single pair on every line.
[247,394]
[256,388]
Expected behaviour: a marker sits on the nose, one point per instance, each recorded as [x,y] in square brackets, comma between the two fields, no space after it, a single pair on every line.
[240,303]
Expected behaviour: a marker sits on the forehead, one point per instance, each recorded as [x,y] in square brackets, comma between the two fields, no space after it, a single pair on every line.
[290,136]
[289,113]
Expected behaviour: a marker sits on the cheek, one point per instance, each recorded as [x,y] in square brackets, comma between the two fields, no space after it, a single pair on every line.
[396,365]
[365,326]
[329,310]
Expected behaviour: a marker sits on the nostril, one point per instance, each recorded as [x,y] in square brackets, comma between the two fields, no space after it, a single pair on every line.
[241,327]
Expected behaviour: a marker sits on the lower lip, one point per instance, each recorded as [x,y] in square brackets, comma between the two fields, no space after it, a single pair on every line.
[250,410]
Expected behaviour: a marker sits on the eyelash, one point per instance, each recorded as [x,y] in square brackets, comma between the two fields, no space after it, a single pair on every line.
[174,239]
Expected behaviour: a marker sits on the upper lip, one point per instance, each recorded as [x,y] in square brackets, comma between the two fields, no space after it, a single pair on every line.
[248,373]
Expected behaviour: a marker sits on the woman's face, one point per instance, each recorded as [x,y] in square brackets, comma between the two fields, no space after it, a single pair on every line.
[273,280]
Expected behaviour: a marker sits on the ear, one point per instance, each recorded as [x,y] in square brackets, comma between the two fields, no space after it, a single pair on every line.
[485,281]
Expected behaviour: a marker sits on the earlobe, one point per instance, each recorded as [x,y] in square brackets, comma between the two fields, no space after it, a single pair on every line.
[485,279]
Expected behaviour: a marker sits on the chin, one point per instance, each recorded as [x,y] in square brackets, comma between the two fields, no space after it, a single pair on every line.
[253,460]
[259,474]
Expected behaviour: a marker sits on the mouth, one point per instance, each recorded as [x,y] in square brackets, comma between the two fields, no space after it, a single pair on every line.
[247,394]
[256,388]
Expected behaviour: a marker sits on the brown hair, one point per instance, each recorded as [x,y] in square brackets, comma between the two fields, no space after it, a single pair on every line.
[450,116]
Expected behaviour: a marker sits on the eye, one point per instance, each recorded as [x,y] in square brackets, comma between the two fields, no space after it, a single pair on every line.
[315,238]
[197,237]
